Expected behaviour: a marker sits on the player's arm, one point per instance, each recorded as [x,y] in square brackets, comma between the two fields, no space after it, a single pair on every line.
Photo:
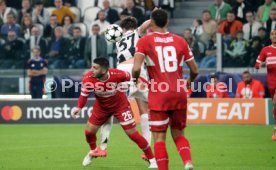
[138,61]
[261,58]
[139,58]
[144,27]
[82,100]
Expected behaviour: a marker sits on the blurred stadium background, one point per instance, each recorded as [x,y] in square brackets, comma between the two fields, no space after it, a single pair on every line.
[244,143]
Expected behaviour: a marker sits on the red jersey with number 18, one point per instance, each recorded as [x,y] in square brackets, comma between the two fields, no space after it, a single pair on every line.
[165,54]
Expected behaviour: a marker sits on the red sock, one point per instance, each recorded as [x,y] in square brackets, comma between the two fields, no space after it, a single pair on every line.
[183,148]
[91,139]
[142,143]
[161,155]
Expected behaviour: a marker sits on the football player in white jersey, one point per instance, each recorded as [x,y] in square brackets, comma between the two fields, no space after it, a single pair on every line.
[125,52]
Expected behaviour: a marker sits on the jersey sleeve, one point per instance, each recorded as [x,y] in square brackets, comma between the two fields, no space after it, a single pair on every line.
[85,88]
[140,47]
[262,56]
[123,76]
[188,54]
[29,63]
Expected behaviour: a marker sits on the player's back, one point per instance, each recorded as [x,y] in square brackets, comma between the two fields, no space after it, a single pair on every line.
[126,46]
[268,55]
[165,54]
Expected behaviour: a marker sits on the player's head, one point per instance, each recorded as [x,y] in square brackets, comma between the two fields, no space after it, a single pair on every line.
[36,51]
[273,36]
[129,23]
[159,18]
[214,78]
[99,67]
[246,77]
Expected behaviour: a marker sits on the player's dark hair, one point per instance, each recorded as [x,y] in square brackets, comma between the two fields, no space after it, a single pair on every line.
[103,62]
[160,17]
[246,72]
[129,23]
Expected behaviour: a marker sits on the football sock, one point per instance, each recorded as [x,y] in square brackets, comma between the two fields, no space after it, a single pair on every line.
[145,127]
[105,132]
[161,155]
[91,139]
[142,143]
[183,148]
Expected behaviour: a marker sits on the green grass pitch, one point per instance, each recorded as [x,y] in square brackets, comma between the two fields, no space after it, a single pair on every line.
[62,147]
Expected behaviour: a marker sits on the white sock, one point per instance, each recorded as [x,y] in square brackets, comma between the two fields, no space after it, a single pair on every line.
[145,127]
[105,132]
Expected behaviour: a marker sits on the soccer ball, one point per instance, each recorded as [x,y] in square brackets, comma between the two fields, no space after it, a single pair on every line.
[113,33]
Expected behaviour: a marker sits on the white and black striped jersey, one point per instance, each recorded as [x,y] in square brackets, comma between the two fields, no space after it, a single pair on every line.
[126,46]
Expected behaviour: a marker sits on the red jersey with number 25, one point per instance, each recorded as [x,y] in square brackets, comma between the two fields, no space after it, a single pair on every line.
[268,55]
[165,54]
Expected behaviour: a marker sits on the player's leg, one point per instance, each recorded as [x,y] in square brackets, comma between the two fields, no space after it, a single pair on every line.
[178,123]
[105,133]
[91,139]
[95,121]
[159,121]
[126,119]
[143,110]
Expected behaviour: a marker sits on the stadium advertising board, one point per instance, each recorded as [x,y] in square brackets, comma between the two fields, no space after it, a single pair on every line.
[41,111]
[227,111]
[200,111]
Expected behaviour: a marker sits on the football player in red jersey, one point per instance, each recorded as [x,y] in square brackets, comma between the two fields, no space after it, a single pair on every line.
[110,100]
[268,55]
[165,54]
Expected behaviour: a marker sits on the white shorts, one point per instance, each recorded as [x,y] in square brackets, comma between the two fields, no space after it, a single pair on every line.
[133,90]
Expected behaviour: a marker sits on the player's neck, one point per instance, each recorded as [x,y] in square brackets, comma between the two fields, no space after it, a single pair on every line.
[273,45]
[159,30]
[104,77]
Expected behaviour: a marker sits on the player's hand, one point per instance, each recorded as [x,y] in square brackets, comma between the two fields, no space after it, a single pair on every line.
[257,66]
[76,113]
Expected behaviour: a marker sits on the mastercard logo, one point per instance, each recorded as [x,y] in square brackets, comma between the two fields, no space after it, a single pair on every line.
[11,113]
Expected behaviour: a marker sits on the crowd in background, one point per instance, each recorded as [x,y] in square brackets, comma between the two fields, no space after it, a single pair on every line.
[69,36]
[245,26]
[65,30]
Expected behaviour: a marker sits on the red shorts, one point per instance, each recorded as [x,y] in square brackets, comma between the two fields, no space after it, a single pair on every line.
[160,120]
[124,116]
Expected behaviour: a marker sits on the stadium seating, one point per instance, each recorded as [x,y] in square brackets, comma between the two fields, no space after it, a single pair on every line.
[90,15]
[77,12]
[84,4]
[83,28]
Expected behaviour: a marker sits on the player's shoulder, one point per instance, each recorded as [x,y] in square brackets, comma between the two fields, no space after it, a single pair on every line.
[114,71]
[269,47]
[87,76]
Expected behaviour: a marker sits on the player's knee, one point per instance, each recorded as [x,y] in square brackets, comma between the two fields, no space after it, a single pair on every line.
[130,131]
[176,133]
[91,129]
